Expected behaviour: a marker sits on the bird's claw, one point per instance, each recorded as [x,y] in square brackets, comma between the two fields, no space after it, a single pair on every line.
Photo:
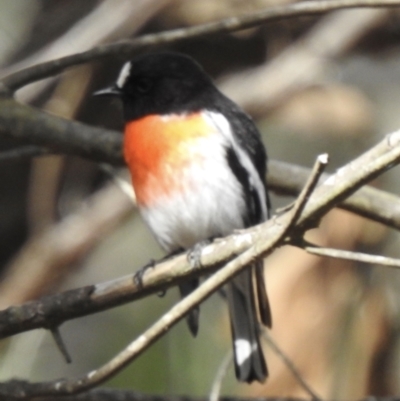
[138,276]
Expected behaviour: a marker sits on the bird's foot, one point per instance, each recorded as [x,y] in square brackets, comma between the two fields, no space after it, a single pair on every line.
[138,276]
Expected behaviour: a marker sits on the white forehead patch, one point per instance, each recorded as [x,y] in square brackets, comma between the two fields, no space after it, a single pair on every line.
[124,74]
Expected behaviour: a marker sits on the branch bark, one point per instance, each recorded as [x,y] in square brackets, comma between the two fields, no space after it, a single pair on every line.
[35,127]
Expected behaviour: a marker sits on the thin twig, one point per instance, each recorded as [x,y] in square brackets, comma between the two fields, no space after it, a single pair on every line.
[219,377]
[127,48]
[290,365]
[124,18]
[372,203]
[312,181]
[355,256]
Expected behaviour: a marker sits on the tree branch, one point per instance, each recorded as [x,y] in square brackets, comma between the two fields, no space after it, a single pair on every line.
[261,246]
[80,302]
[71,137]
[374,204]
[128,48]
[354,256]
[35,127]
[257,242]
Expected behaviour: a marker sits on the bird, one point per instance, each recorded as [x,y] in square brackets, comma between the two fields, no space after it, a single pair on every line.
[198,169]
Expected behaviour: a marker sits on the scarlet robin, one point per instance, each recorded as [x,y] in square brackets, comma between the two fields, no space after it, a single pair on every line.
[198,170]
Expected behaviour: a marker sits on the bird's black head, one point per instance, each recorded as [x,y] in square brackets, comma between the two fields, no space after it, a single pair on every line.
[161,83]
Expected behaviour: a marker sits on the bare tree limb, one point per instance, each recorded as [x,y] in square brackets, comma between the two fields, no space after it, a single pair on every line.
[354,256]
[257,242]
[35,127]
[311,183]
[127,48]
[372,203]
[75,303]
[262,246]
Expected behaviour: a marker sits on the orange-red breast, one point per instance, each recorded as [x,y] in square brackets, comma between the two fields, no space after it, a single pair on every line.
[198,170]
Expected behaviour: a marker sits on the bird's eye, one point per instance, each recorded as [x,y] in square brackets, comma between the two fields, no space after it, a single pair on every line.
[143,85]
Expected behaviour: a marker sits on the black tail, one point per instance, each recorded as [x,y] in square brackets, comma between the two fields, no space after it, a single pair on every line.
[248,355]
[192,318]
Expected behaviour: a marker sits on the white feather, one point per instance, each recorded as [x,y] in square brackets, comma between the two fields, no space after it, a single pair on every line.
[124,74]
[224,128]
[242,350]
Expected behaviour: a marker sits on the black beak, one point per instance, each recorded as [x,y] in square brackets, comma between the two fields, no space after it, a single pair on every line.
[110,91]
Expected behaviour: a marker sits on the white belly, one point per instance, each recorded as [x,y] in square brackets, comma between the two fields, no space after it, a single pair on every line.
[210,205]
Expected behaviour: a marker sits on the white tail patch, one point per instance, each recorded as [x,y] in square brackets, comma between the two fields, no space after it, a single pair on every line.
[242,350]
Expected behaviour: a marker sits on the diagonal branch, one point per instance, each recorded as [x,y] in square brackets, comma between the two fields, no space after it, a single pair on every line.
[354,256]
[127,48]
[372,203]
[261,247]
[75,303]
[311,183]
[255,243]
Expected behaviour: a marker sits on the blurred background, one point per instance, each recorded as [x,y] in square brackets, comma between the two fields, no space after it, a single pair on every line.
[314,84]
